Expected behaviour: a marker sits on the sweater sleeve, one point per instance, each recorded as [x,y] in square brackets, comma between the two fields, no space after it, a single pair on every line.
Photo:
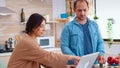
[30,51]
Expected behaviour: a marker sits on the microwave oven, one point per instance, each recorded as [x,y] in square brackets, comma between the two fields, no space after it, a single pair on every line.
[46,42]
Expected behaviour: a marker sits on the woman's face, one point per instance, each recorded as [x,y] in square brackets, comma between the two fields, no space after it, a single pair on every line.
[39,30]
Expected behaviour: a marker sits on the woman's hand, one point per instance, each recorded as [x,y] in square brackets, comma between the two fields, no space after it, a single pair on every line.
[75,58]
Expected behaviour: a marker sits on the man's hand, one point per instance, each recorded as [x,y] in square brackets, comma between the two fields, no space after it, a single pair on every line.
[101,60]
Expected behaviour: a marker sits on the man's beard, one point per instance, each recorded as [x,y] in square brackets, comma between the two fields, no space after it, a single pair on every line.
[81,18]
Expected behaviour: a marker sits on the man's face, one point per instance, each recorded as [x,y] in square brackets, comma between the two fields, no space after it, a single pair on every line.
[81,10]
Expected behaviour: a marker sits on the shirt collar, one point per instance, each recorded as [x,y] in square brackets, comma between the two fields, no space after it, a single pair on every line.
[77,23]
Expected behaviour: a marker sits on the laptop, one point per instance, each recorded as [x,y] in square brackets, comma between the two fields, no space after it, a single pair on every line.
[87,61]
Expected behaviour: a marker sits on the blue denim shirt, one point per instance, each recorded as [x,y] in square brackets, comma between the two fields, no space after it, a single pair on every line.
[72,38]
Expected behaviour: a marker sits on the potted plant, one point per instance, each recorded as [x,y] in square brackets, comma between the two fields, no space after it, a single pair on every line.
[110,31]
[95,17]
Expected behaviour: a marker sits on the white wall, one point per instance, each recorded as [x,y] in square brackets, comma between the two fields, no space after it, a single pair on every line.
[109,9]
[105,9]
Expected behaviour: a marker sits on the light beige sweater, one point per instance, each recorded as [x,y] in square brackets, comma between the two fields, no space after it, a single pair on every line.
[28,54]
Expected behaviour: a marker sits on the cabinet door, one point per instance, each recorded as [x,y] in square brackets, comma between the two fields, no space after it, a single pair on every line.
[5,59]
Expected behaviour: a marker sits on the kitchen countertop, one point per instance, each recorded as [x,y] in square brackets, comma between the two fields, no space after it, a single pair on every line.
[105,66]
[47,49]
[5,54]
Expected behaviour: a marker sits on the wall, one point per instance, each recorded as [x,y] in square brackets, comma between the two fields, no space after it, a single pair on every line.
[59,6]
[10,25]
[108,9]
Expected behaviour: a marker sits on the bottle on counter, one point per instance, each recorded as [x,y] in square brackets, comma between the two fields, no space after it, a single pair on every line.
[22,15]
[10,42]
[6,45]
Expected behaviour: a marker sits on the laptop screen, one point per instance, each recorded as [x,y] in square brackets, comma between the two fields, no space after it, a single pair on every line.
[87,61]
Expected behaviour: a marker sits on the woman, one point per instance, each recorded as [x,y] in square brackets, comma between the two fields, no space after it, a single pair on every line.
[28,54]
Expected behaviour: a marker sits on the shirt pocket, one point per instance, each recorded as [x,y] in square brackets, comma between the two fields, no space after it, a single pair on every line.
[74,40]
